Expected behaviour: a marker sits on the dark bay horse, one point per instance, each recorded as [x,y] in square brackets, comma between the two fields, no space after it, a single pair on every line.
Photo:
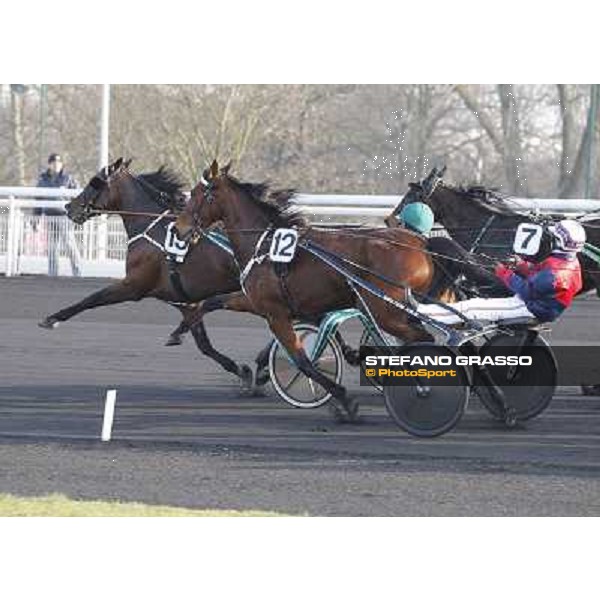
[208,269]
[483,222]
[307,287]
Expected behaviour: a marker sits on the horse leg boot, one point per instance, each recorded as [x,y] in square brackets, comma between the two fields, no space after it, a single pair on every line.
[344,409]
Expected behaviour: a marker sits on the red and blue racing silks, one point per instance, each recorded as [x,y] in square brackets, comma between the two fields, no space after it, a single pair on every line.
[548,287]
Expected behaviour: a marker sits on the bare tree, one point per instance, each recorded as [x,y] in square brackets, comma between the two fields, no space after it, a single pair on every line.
[505,139]
[318,138]
[571,182]
[16,104]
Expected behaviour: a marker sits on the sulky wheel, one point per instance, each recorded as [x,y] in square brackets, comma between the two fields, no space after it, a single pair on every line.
[290,383]
[536,388]
[428,410]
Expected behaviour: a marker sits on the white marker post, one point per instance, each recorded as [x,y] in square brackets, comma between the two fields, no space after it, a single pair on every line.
[109,414]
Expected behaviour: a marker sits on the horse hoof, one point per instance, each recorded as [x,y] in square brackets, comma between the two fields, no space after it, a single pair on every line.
[352,407]
[48,323]
[352,357]
[258,391]
[339,416]
[262,377]
[174,340]
[590,390]
[246,379]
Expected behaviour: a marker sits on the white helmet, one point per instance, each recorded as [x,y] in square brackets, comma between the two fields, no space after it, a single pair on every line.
[569,235]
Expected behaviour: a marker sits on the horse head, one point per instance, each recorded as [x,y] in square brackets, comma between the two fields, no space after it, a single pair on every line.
[96,195]
[420,191]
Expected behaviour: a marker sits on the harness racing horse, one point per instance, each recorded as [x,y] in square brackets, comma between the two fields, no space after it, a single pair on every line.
[483,223]
[208,268]
[308,286]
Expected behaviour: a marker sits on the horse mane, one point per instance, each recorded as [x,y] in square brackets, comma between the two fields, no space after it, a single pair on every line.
[488,198]
[168,181]
[276,205]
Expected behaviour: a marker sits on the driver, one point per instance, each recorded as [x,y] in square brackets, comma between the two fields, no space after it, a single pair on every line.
[542,291]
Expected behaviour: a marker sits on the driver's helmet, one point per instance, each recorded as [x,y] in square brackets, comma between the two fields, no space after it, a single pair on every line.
[418,217]
[569,236]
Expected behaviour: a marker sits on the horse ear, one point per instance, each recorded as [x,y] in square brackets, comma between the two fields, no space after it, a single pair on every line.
[226,168]
[214,169]
[117,164]
[127,163]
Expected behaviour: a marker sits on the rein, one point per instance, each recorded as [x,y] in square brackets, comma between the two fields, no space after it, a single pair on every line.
[131,213]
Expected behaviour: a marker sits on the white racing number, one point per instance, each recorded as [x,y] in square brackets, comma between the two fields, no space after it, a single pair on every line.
[528,239]
[283,245]
[174,246]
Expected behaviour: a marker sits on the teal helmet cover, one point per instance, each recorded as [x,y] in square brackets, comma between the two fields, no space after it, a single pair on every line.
[418,217]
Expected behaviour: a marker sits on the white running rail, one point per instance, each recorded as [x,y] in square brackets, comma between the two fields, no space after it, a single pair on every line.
[26,239]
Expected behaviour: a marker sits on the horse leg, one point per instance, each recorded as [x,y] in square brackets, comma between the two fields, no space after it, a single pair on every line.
[123,291]
[262,369]
[283,330]
[351,355]
[176,336]
[234,301]
[244,372]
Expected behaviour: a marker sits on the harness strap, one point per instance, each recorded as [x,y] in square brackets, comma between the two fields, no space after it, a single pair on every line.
[175,279]
[340,264]
[145,234]
[255,260]
[481,233]
[220,240]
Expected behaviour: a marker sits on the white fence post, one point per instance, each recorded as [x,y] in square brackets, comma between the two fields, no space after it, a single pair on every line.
[11,236]
[102,237]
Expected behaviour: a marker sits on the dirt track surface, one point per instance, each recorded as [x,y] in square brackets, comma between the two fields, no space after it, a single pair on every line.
[183,435]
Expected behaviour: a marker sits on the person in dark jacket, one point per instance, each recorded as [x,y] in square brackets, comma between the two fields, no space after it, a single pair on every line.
[60,230]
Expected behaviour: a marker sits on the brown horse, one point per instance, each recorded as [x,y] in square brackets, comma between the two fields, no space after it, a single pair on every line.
[307,287]
[207,270]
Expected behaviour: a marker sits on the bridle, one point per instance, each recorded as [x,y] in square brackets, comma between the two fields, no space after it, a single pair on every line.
[423,190]
[208,196]
[98,184]
[92,191]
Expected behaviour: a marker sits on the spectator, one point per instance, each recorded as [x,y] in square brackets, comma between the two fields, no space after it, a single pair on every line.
[59,228]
